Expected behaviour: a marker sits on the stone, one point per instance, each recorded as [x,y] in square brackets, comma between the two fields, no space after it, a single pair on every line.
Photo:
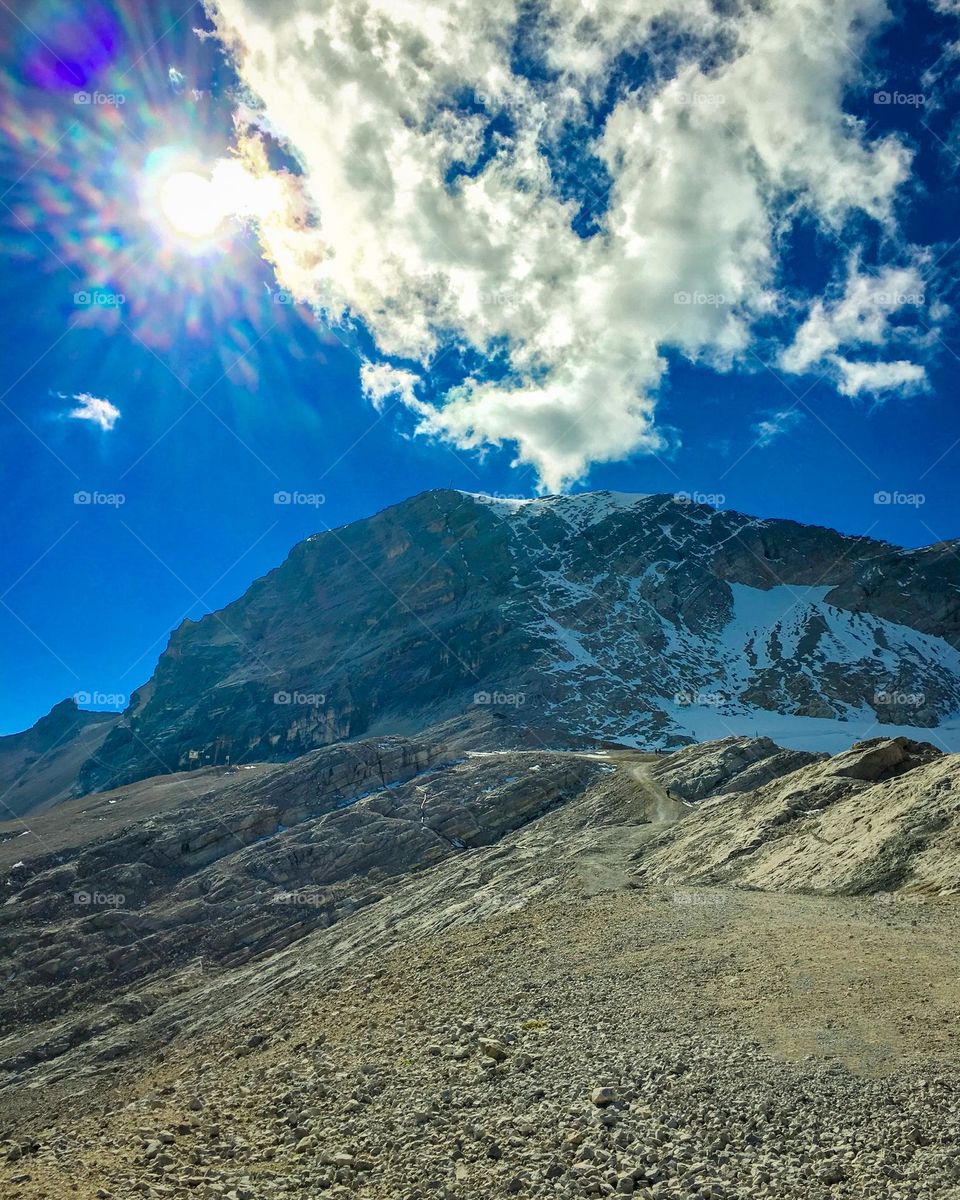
[493,1048]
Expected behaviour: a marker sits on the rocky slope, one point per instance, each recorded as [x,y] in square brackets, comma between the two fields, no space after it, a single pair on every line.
[644,620]
[395,968]
[110,897]
[881,817]
[230,867]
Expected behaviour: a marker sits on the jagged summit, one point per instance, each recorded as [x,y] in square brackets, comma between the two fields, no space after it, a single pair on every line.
[578,508]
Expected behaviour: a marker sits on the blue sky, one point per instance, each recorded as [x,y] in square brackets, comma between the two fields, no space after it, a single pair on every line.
[215,379]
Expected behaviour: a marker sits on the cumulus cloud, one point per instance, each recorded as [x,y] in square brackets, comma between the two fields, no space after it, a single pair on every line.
[95,409]
[435,208]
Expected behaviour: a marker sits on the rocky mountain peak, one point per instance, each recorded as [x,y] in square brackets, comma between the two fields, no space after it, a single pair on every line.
[640,620]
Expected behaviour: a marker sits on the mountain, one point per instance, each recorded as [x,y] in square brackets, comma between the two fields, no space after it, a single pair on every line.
[39,766]
[642,620]
[380,889]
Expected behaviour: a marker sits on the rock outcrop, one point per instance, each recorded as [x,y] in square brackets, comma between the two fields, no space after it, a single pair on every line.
[729,765]
[881,817]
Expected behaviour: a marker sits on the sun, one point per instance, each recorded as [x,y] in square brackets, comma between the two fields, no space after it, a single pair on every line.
[197,204]
[193,205]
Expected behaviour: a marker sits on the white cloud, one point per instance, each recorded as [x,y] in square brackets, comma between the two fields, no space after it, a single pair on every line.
[708,165]
[381,382]
[94,408]
[865,316]
[776,424]
[876,378]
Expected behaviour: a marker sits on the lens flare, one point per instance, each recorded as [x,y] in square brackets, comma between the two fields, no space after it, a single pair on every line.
[130,186]
[193,206]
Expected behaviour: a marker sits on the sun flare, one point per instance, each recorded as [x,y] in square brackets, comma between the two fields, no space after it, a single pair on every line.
[195,202]
[192,205]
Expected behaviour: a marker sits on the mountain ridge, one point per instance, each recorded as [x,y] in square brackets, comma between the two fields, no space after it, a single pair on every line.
[649,620]
[39,765]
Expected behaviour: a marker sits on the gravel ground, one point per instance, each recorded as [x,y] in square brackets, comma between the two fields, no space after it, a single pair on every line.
[660,1043]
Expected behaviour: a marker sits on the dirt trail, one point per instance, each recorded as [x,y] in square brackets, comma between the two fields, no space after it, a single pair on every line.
[660,809]
[608,847]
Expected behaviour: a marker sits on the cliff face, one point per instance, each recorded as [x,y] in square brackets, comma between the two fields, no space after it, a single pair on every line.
[598,616]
